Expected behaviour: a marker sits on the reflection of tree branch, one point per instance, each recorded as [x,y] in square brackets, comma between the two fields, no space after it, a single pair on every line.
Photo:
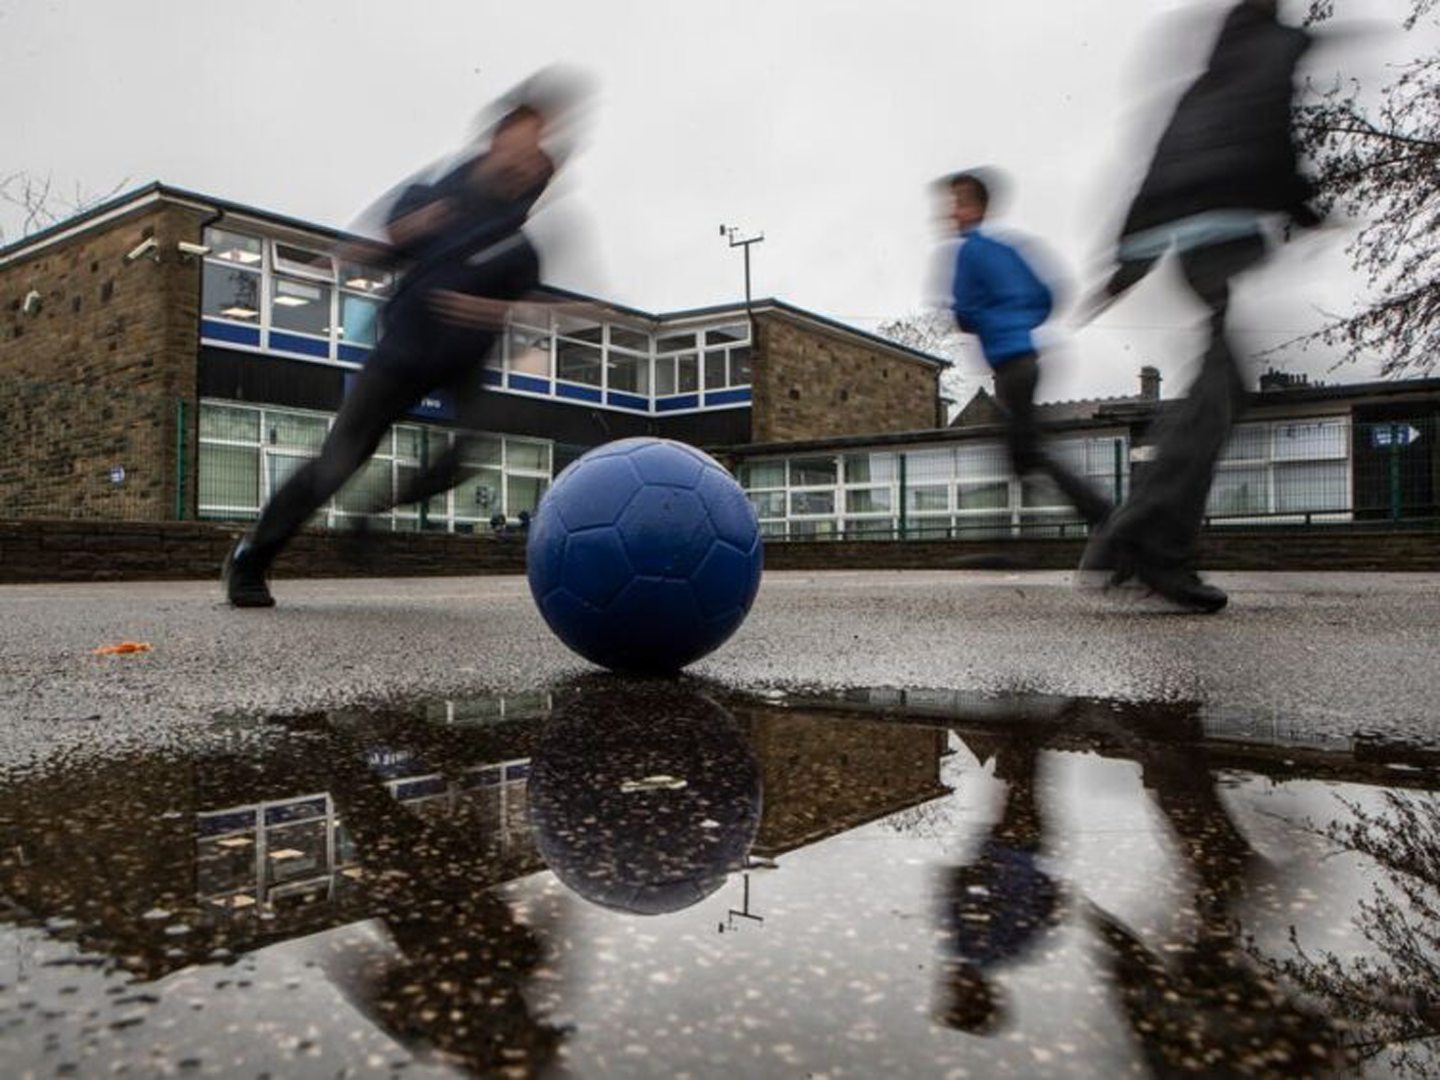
[1392,999]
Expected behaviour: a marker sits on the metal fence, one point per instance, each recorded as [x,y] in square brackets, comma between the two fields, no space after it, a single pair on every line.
[1329,471]
[91,452]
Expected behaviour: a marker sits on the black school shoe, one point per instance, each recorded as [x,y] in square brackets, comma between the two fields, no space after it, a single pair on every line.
[244,581]
[1184,589]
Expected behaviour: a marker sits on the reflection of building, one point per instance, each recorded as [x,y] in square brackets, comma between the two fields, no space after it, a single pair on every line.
[210,364]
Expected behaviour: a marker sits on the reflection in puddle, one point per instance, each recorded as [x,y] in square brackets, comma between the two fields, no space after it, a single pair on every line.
[657,877]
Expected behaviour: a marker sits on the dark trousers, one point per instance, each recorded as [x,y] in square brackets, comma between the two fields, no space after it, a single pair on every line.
[1015,382]
[417,356]
[1160,522]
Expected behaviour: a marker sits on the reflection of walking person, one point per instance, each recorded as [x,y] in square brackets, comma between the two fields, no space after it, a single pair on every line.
[1199,1004]
[468,263]
[994,908]
[998,296]
[1225,161]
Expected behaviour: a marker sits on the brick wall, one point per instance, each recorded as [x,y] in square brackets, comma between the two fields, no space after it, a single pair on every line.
[92,381]
[810,383]
[34,551]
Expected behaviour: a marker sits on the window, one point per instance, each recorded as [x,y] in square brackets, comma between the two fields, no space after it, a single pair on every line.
[870,468]
[726,357]
[762,474]
[929,499]
[716,373]
[687,374]
[630,374]
[635,341]
[529,351]
[813,472]
[359,319]
[768,504]
[868,501]
[300,307]
[233,248]
[812,502]
[228,292]
[303,262]
[366,280]
[522,493]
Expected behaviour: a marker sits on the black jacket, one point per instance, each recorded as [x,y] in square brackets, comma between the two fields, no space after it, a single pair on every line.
[1229,143]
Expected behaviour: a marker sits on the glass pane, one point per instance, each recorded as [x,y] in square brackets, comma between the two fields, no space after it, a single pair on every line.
[740,366]
[727,335]
[281,467]
[762,474]
[992,495]
[359,320]
[812,502]
[371,490]
[869,501]
[1312,441]
[772,529]
[986,460]
[530,351]
[228,292]
[1041,491]
[230,476]
[1101,459]
[522,493]
[577,363]
[812,472]
[408,441]
[937,466]
[579,329]
[870,528]
[978,526]
[528,455]
[715,374]
[288,257]
[931,498]
[233,247]
[811,530]
[481,450]
[478,496]
[224,422]
[300,307]
[1311,485]
[927,528]
[870,468]
[630,374]
[687,374]
[287,429]
[1247,443]
[634,340]
[768,504]
[675,343]
[1069,452]
[366,279]
[1238,491]
[664,377]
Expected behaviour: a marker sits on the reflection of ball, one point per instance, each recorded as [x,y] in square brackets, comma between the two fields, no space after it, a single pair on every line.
[643,799]
[644,555]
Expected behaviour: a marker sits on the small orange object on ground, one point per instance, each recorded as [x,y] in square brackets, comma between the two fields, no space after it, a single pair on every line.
[123,648]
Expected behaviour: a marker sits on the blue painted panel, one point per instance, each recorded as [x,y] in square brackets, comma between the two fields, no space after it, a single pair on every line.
[577,393]
[530,384]
[493,377]
[355,354]
[728,397]
[238,335]
[684,401]
[433,406]
[294,343]
[629,401]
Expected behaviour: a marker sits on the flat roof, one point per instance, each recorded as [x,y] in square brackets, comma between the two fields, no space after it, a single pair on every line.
[77,223]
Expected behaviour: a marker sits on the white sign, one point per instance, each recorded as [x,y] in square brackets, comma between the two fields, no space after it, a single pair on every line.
[1395,435]
[117,474]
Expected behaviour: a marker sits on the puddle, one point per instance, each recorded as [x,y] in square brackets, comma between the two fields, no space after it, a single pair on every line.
[653,878]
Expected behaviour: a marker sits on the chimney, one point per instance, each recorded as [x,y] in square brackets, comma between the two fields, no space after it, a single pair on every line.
[1149,383]
[1282,380]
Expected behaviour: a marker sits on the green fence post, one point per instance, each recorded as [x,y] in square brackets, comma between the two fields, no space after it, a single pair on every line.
[1119,445]
[1395,431]
[180,452]
[424,468]
[902,497]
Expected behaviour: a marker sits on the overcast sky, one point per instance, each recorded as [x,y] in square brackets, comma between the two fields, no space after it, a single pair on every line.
[816,121]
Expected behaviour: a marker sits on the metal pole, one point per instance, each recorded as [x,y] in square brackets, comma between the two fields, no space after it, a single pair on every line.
[1395,430]
[180,460]
[903,485]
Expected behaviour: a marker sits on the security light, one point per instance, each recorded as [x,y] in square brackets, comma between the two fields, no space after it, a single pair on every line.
[187,248]
[31,304]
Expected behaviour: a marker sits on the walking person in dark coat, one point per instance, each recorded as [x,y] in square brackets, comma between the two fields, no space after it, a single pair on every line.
[1225,164]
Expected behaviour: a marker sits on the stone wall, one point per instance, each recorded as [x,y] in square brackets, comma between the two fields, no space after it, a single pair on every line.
[811,383]
[93,382]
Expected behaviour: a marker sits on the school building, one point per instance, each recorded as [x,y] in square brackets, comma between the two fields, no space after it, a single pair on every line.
[171,356]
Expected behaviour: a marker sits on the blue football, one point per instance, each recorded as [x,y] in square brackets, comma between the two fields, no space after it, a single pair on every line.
[644,555]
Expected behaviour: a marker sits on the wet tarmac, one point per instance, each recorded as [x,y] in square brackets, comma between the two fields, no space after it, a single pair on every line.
[601,877]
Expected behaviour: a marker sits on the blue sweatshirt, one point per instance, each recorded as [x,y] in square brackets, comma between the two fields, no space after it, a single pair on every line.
[998,297]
